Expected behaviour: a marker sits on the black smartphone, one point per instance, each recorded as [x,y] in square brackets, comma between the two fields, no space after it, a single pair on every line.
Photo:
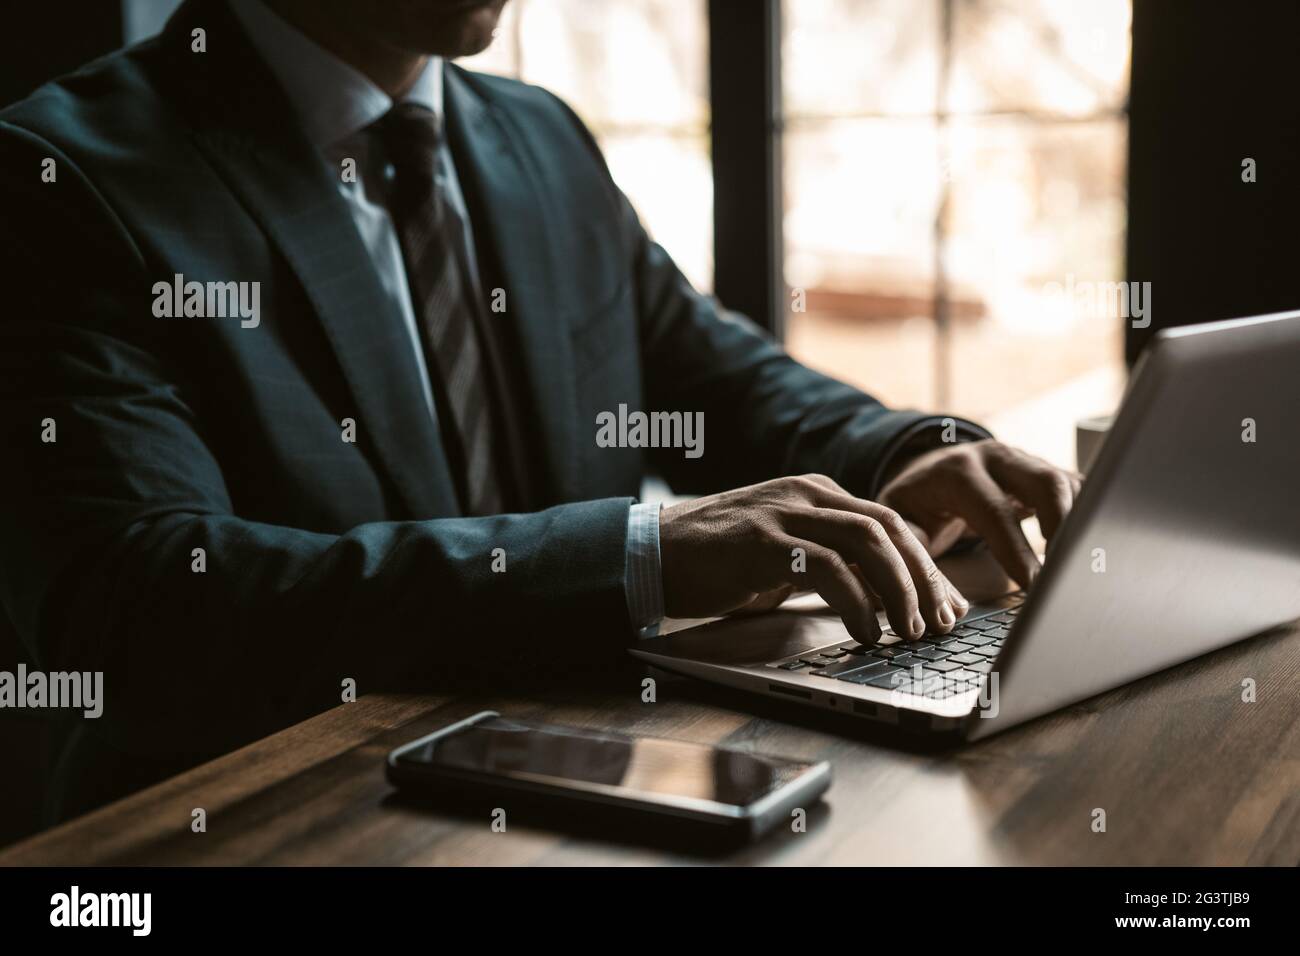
[490,762]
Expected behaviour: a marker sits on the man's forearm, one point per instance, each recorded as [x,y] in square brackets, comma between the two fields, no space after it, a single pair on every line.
[279,617]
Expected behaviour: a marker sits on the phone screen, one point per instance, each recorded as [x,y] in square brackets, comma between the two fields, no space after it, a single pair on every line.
[647,769]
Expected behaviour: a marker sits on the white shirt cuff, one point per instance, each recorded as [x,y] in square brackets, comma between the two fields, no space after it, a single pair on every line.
[642,571]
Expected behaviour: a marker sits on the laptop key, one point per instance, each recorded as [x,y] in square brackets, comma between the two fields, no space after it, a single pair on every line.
[930,654]
[859,649]
[889,653]
[966,658]
[792,665]
[955,647]
[908,660]
[979,641]
[835,652]
[943,688]
[867,674]
[937,689]
[984,667]
[836,668]
[890,680]
[986,651]
[941,667]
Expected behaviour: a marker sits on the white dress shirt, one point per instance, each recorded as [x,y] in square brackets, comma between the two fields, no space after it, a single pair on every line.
[335,104]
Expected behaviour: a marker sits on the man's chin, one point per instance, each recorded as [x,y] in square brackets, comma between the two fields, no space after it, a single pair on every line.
[463,32]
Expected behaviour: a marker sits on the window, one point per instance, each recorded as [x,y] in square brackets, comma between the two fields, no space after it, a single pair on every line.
[636,71]
[950,167]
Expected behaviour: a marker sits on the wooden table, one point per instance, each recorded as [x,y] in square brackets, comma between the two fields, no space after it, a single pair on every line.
[1186,771]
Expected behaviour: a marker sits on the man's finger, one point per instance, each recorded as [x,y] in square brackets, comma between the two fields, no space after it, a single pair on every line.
[987,509]
[928,582]
[832,578]
[1038,485]
[941,602]
[868,544]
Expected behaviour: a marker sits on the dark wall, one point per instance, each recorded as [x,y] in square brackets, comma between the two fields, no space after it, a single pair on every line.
[1214,82]
[47,38]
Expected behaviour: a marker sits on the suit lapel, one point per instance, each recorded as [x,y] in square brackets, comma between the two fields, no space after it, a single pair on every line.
[502,189]
[285,184]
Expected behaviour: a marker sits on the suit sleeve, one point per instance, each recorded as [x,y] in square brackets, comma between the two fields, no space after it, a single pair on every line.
[121,550]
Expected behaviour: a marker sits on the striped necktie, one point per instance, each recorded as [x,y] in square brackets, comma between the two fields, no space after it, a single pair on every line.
[432,239]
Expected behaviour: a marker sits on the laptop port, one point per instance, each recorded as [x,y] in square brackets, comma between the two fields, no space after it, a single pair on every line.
[790,691]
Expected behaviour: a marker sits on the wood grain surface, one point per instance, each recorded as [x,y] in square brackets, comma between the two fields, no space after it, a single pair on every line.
[1186,772]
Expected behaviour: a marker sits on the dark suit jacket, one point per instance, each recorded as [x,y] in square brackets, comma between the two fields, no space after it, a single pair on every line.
[327,560]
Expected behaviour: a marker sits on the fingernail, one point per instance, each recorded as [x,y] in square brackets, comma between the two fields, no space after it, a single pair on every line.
[946,617]
[918,625]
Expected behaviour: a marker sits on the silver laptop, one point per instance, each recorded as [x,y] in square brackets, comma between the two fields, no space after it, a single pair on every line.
[1185,538]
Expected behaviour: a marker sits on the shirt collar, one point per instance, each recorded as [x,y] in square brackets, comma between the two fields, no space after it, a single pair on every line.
[332,99]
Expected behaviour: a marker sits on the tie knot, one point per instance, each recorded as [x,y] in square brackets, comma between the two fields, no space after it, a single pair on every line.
[411,134]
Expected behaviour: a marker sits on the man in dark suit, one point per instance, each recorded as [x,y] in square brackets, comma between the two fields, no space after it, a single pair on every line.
[325,360]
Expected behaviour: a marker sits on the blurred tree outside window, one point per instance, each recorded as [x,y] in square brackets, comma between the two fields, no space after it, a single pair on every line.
[636,72]
[950,165]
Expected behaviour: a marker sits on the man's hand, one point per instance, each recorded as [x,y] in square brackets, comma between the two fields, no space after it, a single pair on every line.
[749,548]
[985,487]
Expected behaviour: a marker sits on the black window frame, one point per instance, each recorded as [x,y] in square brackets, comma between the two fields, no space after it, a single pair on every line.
[745,132]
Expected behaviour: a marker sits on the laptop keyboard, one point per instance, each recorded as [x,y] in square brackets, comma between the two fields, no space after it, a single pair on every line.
[935,666]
